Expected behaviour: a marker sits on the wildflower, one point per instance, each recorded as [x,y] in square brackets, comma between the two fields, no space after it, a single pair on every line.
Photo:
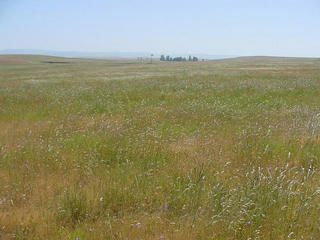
[27,166]
[138,225]
[77,238]
[166,207]
[90,229]
[162,237]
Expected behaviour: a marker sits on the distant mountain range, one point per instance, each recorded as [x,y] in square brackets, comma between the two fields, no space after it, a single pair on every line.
[76,54]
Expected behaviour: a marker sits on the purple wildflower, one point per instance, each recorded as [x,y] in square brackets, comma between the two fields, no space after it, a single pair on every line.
[162,237]
[90,229]
[166,207]
[138,225]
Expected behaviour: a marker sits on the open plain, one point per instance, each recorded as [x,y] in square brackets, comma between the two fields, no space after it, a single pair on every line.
[124,149]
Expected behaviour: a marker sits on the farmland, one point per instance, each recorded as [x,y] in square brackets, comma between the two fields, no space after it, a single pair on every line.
[123,149]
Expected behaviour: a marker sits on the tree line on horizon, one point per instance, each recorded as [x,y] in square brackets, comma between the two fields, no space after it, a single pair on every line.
[178,59]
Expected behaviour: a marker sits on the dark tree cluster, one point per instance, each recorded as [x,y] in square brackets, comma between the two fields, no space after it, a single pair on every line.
[178,59]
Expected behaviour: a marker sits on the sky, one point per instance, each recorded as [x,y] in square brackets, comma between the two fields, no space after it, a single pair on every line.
[221,27]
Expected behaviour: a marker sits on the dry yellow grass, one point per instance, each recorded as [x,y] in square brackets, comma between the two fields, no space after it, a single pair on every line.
[100,149]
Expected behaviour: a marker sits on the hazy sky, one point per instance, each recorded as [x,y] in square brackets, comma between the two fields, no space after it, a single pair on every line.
[229,27]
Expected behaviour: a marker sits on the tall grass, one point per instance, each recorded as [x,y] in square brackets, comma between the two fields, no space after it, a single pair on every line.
[124,150]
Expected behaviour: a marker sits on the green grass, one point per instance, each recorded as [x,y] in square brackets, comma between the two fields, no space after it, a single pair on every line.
[107,149]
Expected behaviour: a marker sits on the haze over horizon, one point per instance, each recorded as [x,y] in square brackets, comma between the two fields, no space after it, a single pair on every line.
[272,28]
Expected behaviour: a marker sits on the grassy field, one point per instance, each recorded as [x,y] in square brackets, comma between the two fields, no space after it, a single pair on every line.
[110,149]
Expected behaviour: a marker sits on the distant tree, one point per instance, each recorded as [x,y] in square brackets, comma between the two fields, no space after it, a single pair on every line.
[195,59]
[177,59]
